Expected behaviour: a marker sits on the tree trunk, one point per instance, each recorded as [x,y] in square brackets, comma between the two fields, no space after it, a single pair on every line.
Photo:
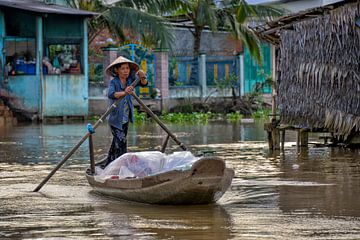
[194,77]
[197,40]
[233,95]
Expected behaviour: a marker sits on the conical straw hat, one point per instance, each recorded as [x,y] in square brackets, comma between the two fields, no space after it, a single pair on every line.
[110,69]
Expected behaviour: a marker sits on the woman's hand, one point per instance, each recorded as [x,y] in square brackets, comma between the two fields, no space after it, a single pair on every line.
[129,90]
[141,74]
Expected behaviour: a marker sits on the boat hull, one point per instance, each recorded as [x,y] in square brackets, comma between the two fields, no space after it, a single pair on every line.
[204,183]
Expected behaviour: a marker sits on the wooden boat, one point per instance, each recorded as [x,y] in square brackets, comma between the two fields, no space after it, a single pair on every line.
[205,182]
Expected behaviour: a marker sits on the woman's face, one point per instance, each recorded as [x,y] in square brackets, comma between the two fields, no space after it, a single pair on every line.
[123,70]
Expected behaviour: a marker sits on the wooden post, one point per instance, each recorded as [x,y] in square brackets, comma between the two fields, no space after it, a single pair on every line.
[282,139]
[268,128]
[276,138]
[304,138]
[270,141]
[91,151]
[273,87]
[298,138]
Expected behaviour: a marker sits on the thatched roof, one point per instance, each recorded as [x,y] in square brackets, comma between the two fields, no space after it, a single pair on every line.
[318,67]
[270,31]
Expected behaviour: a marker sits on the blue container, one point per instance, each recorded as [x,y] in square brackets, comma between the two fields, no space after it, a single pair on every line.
[27,69]
[31,69]
[20,68]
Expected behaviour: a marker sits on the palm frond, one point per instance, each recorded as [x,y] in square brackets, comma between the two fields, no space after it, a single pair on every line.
[267,12]
[206,14]
[139,22]
[251,42]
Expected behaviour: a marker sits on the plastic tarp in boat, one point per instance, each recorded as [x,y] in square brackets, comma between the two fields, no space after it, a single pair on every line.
[142,164]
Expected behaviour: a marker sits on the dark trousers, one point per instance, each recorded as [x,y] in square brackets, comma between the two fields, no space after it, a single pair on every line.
[119,143]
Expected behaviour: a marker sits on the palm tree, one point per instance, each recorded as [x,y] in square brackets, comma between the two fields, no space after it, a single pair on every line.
[202,13]
[232,15]
[143,18]
[135,17]
[245,15]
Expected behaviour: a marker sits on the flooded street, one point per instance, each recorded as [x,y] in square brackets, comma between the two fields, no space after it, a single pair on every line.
[308,194]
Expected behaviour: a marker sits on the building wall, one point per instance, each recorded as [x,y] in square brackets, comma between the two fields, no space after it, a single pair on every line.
[219,43]
[37,92]
[65,95]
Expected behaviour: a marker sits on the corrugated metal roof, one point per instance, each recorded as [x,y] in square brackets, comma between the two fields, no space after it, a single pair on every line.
[41,7]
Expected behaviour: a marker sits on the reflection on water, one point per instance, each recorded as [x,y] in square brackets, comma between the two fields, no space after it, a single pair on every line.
[164,222]
[299,194]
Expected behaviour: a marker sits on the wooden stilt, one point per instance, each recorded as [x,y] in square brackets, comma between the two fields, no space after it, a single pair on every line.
[268,128]
[304,138]
[282,139]
[298,138]
[276,138]
[270,141]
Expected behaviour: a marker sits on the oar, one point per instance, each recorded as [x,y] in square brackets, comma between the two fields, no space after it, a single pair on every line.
[71,152]
[157,119]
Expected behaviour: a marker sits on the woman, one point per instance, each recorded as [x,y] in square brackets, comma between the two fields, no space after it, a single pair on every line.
[124,72]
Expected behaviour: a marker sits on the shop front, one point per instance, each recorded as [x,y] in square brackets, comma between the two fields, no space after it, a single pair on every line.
[44,59]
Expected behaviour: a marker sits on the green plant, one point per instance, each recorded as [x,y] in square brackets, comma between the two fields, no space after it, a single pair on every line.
[186,117]
[94,118]
[261,113]
[234,116]
[227,82]
[140,117]
[178,83]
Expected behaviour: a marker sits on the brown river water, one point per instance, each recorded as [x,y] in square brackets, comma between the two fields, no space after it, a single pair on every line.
[296,194]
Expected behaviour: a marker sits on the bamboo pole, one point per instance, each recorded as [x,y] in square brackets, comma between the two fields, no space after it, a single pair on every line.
[91,153]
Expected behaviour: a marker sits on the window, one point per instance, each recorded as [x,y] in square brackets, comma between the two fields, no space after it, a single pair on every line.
[19,43]
[62,59]
[63,44]
[20,56]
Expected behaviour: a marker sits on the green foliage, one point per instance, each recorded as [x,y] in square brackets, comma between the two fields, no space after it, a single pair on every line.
[140,117]
[234,116]
[261,113]
[227,82]
[197,117]
[141,22]
[186,117]
[94,118]
[96,72]
[240,13]
[173,79]
[178,83]
[129,19]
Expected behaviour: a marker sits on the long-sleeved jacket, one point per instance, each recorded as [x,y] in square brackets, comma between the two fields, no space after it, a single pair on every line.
[116,116]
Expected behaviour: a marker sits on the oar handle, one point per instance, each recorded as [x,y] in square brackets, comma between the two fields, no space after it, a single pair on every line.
[71,152]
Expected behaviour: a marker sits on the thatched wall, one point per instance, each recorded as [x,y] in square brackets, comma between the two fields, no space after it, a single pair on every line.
[319,72]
